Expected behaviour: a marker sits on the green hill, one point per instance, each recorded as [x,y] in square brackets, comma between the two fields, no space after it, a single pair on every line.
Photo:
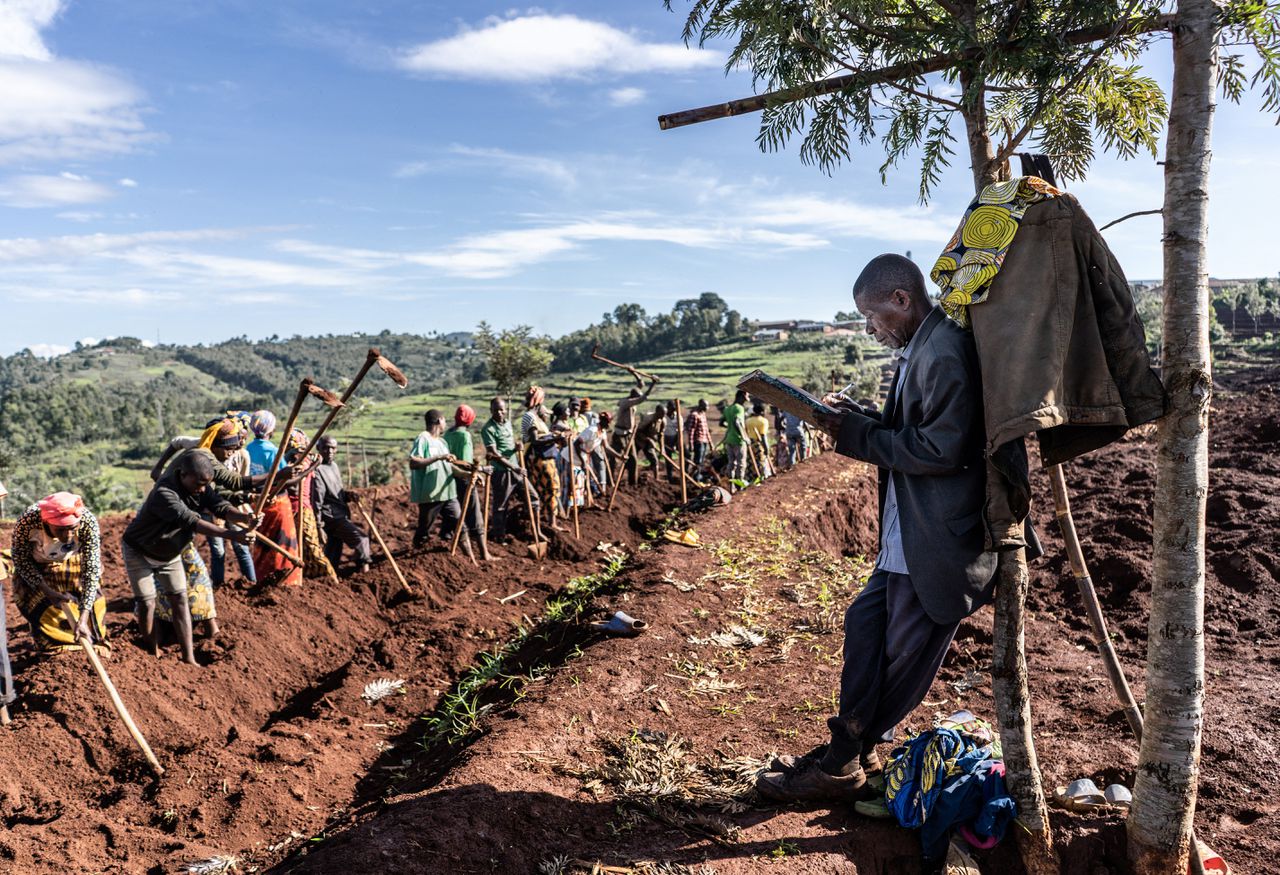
[387,428]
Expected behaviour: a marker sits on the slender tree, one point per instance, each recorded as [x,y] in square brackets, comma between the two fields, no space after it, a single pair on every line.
[1061,75]
[1058,74]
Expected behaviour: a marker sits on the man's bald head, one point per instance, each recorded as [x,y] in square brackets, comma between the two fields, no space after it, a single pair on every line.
[886,273]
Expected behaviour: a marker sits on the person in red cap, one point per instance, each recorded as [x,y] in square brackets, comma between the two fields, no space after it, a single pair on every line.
[462,447]
[57,562]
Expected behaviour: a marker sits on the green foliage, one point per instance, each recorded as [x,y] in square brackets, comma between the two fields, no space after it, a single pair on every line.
[1256,25]
[515,356]
[628,333]
[1009,71]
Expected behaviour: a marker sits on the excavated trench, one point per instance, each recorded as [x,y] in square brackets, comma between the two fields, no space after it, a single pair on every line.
[271,742]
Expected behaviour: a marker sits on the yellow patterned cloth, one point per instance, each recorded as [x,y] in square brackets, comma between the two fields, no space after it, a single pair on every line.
[972,259]
[199,589]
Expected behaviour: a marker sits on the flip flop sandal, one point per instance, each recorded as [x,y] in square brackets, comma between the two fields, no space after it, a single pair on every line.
[1118,796]
[1079,795]
[874,808]
[621,625]
[1213,862]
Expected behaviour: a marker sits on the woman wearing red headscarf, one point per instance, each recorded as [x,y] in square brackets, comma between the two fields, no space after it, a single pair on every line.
[57,562]
[462,447]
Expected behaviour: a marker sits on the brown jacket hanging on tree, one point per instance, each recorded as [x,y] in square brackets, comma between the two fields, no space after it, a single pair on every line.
[1063,355]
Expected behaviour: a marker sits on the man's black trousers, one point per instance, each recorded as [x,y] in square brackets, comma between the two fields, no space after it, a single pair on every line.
[892,652]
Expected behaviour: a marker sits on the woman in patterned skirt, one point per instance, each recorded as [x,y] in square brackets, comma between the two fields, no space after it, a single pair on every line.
[57,565]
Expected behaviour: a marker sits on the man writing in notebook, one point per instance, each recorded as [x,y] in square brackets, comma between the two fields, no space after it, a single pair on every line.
[931,571]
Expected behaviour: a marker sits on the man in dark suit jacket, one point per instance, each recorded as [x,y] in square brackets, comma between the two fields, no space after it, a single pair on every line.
[932,571]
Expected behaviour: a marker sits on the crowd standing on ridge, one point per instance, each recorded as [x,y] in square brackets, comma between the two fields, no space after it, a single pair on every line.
[210,485]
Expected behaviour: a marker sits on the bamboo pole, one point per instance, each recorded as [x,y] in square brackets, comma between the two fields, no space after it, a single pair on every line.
[116,702]
[684,487]
[383,544]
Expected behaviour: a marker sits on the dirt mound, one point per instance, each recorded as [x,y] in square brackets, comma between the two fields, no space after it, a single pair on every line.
[271,737]
[275,756]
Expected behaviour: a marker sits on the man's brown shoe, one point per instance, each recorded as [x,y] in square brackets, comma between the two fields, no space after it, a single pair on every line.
[870,761]
[809,783]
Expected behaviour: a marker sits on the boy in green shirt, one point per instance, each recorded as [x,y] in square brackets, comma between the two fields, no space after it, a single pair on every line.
[460,446]
[500,453]
[432,486]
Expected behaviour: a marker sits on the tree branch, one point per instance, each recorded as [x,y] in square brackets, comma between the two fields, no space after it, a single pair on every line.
[1130,216]
[894,72]
[1007,150]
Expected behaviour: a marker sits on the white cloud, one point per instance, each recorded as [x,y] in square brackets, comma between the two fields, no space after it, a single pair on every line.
[127,183]
[848,219]
[55,249]
[66,189]
[627,96]
[20,24]
[54,109]
[498,161]
[47,350]
[538,47]
[80,215]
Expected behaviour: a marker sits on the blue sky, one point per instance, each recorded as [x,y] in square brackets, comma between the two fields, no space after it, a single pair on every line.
[190,171]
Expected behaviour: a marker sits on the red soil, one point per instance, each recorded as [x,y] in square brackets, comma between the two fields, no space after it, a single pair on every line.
[272,737]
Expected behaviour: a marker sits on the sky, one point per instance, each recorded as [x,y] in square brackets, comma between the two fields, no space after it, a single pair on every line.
[186,172]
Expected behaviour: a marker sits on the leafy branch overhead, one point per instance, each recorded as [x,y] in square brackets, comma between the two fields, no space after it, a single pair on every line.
[1058,77]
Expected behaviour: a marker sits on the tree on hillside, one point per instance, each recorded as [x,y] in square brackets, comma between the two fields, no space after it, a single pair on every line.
[515,356]
[1056,74]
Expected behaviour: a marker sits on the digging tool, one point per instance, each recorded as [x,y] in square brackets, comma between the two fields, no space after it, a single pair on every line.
[385,552]
[374,357]
[114,695]
[488,500]
[573,486]
[462,523]
[272,545]
[622,465]
[1098,622]
[631,369]
[684,487]
[334,403]
[538,549]
[303,389]
[684,483]
[589,466]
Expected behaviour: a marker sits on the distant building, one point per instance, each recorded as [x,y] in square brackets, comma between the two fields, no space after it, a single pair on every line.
[769,335]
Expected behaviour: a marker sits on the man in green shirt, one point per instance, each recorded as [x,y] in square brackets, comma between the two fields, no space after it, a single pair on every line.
[735,428]
[432,486]
[460,446]
[500,453]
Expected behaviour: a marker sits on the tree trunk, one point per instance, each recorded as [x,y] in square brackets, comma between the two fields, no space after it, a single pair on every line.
[1159,824]
[1013,710]
[1009,662]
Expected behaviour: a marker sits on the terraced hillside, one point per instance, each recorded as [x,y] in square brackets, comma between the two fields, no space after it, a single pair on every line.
[388,427]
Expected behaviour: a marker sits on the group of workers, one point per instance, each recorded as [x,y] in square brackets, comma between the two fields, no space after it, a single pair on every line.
[212,485]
